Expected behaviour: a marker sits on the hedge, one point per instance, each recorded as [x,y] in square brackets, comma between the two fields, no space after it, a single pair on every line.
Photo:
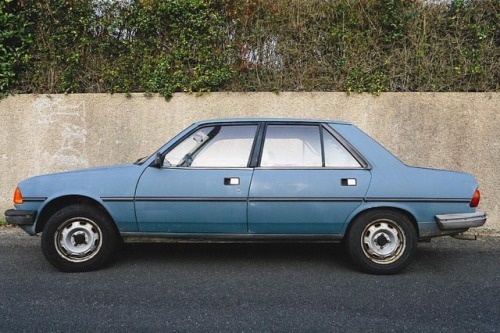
[93,46]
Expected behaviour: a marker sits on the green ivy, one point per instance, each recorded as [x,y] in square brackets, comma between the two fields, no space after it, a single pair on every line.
[393,20]
[152,46]
[364,81]
[14,42]
[181,50]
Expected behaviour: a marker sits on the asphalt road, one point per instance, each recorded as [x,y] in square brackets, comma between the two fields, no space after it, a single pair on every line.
[452,286]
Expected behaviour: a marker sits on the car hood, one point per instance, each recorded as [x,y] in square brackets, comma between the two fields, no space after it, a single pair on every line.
[119,180]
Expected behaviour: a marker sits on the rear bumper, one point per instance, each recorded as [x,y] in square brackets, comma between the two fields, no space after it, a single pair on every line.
[20,217]
[460,221]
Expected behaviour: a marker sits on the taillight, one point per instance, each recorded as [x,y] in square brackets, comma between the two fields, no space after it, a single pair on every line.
[474,202]
[18,197]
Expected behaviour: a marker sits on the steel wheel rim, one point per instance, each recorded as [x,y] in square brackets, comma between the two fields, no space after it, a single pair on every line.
[78,239]
[383,241]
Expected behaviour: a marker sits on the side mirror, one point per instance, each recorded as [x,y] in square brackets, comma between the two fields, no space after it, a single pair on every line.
[158,161]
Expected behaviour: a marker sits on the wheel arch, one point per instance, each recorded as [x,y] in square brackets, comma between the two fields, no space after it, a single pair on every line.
[399,210]
[57,203]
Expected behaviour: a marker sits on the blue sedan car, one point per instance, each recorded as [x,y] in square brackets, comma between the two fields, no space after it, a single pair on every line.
[251,180]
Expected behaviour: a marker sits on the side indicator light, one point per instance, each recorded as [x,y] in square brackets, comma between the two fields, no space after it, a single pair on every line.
[18,197]
[474,202]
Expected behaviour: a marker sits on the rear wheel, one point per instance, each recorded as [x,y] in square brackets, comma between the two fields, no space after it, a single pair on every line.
[382,242]
[79,238]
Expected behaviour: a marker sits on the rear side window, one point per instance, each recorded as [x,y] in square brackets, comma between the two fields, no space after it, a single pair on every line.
[292,146]
[304,146]
[336,155]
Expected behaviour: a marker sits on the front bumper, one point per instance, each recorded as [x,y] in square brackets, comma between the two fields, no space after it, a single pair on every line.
[460,221]
[20,217]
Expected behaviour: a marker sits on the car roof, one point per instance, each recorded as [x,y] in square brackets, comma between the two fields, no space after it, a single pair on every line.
[271,120]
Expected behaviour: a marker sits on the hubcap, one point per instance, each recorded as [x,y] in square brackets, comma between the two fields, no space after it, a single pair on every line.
[383,241]
[78,239]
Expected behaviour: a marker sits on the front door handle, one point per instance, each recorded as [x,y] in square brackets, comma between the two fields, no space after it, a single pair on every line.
[232,181]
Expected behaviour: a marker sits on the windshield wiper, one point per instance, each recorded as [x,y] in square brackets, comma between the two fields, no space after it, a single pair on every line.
[141,160]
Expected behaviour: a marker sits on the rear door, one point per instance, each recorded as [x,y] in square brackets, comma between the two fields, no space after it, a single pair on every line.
[307,182]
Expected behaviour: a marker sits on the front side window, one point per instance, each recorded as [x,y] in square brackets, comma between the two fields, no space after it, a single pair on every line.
[214,146]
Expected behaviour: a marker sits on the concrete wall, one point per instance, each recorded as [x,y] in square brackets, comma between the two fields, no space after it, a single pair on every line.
[42,134]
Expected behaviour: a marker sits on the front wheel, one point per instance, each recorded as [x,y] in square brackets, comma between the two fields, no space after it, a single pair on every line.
[79,238]
[382,242]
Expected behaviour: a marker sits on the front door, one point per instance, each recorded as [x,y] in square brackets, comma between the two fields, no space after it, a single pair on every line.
[202,186]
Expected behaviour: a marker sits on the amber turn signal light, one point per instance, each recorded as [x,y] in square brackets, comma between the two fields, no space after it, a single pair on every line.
[474,202]
[18,197]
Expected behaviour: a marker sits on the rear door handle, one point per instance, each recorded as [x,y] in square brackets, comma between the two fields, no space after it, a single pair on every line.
[348,182]
[232,181]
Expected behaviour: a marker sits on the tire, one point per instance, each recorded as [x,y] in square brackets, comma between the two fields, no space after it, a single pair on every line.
[79,238]
[382,242]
